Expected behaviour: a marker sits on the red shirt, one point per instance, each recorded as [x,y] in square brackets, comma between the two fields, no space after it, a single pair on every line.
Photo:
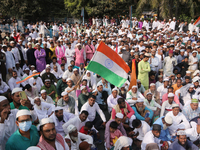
[82,130]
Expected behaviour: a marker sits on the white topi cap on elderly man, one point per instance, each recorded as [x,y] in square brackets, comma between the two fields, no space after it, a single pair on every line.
[114,89]
[170,95]
[16,90]
[59,108]
[23,112]
[139,100]
[45,121]
[119,115]
[71,128]
[2,98]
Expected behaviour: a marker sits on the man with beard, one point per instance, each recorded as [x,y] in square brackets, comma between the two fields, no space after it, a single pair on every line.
[164,122]
[7,122]
[49,139]
[12,82]
[49,75]
[30,55]
[50,89]
[27,134]
[26,74]
[68,103]
[151,140]
[76,137]
[112,99]
[83,97]
[78,121]
[43,109]
[75,77]
[154,61]
[155,93]
[182,143]
[68,73]
[142,112]
[61,85]
[60,117]
[189,93]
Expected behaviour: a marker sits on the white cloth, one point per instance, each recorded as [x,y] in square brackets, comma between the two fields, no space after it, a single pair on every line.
[38,82]
[154,62]
[165,106]
[47,100]
[142,130]
[130,95]
[162,90]
[45,111]
[191,61]
[169,64]
[3,87]
[8,128]
[10,61]
[12,83]
[16,54]
[20,72]
[192,134]
[27,81]
[60,147]
[179,122]
[68,73]
[155,24]
[149,138]
[149,105]
[92,111]
[58,124]
[81,137]
[69,54]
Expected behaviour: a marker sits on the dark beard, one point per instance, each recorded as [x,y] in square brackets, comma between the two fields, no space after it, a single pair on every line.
[48,138]
[60,118]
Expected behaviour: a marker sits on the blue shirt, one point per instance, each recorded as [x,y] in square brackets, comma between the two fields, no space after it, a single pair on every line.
[138,116]
[19,142]
[164,134]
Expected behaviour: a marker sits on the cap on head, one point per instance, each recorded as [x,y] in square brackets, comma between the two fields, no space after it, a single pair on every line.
[71,128]
[46,121]
[23,112]
[168,119]
[119,115]
[15,90]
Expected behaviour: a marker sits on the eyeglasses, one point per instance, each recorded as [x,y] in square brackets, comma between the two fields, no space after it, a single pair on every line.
[24,120]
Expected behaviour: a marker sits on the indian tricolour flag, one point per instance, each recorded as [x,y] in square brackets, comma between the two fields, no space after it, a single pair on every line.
[109,65]
[197,22]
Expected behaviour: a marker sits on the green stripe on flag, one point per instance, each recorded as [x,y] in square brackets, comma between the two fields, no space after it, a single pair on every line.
[106,73]
[198,25]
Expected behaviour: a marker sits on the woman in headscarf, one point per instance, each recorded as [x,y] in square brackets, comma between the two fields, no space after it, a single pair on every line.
[91,82]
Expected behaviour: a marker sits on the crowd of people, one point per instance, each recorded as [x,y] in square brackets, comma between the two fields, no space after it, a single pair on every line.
[49,100]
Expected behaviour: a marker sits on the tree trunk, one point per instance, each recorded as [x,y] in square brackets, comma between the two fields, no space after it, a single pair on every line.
[158,12]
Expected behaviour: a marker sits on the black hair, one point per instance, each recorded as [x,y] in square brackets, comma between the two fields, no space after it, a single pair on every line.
[85,112]
[92,96]
[187,77]
[88,124]
[120,100]
[54,58]
[136,123]
[114,125]
[27,86]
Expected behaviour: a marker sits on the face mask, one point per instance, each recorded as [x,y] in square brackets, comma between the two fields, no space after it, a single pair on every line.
[25,126]
[164,127]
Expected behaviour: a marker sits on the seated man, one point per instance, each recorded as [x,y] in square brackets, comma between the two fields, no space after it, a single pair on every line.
[193,134]
[30,91]
[12,81]
[4,89]
[133,95]
[61,85]
[151,139]
[75,77]
[188,93]
[123,143]
[124,108]
[112,99]
[142,112]
[68,103]
[165,96]
[191,111]
[36,81]
[167,105]
[49,75]
[77,121]
[83,97]
[46,98]
[76,137]
[151,104]
[93,108]
[164,122]
[57,72]
[50,89]
[163,88]
[57,141]
[155,94]
[43,109]
[140,129]
[179,120]
[27,134]
[141,88]
[118,119]
[59,118]
[182,142]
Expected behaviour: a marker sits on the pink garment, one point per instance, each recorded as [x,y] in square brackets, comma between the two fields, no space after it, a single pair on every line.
[165,98]
[89,51]
[79,57]
[129,114]
[117,134]
[60,53]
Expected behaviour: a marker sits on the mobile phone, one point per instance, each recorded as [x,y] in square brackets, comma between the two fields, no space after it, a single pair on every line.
[22,95]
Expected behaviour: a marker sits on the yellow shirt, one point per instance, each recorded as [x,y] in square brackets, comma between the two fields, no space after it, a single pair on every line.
[54,52]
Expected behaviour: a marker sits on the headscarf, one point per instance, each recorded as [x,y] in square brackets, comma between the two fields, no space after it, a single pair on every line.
[123,141]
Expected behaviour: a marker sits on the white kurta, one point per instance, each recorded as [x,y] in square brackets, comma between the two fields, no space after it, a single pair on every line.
[149,138]
[192,134]
[3,87]
[47,100]
[142,130]
[69,54]
[81,137]
[166,106]
[169,64]
[45,111]
[12,83]
[162,90]
[8,128]
[111,101]
[38,82]
[16,54]
[179,122]
[10,61]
